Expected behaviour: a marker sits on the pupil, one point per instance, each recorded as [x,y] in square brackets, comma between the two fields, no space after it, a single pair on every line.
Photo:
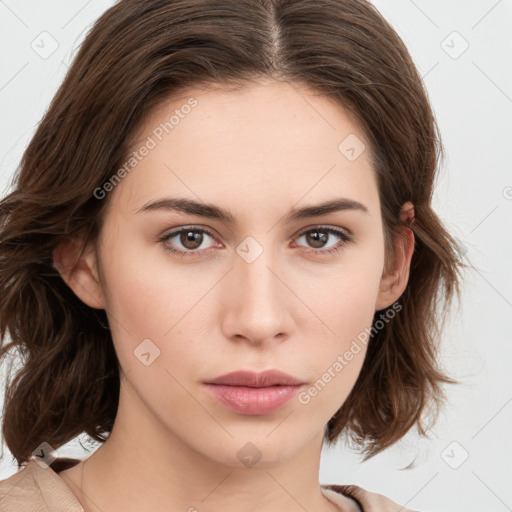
[191,240]
[317,241]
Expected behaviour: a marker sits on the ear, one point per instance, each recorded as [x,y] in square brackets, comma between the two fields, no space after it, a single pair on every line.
[80,271]
[394,281]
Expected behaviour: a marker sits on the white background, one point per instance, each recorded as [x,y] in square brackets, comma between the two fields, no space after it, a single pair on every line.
[471,92]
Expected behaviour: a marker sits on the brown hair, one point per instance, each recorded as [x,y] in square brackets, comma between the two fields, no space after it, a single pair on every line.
[142,52]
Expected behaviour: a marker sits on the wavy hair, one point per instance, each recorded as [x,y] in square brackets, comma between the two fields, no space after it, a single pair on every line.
[140,53]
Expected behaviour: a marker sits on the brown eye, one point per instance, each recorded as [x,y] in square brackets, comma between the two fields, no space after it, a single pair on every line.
[189,241]
[318,237]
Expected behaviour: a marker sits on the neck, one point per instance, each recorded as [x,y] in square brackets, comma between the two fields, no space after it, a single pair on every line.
[159,471]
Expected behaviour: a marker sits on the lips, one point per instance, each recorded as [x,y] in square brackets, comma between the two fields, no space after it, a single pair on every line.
[256,380]
[250,393]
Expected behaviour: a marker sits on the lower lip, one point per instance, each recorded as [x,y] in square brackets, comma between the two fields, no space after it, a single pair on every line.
[252,401]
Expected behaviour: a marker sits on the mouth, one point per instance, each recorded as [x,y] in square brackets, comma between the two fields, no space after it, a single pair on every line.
[251,393]
[256,380]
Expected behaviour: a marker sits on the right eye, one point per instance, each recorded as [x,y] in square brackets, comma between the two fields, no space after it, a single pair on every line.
[190,238]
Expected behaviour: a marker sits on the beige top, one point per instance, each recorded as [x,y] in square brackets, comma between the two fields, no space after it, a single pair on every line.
[39,489]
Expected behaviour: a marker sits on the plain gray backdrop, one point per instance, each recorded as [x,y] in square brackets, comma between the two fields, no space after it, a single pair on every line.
[463,51]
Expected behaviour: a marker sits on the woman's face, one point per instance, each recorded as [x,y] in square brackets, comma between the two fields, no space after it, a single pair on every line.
[260,282]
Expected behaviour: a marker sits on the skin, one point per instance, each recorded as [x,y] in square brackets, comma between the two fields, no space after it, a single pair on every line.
[257,152]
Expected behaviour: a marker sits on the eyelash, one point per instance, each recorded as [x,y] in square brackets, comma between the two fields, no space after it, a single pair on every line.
[345,237]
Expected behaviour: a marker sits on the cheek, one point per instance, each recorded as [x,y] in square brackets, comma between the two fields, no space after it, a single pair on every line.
[147,294]
[344,301]
[339,358]
[343,297]
[151,298]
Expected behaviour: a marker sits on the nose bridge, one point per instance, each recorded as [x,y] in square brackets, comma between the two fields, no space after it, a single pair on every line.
[260,303]
[255,269]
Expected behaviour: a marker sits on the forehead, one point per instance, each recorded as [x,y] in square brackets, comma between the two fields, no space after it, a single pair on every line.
[267,142]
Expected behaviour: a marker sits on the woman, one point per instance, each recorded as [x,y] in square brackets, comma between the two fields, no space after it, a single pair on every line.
[221,252]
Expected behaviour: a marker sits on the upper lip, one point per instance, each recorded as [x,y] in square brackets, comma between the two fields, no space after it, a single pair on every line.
[256,380]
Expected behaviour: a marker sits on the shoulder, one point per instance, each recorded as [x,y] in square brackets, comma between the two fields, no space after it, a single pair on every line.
[368,501]
[38,488]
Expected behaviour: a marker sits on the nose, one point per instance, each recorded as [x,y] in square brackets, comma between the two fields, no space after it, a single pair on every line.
[258,302]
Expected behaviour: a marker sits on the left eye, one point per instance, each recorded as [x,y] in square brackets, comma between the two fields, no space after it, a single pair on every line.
[318,236]
[192,238]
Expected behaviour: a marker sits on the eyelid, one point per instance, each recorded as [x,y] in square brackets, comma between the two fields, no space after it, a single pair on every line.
[338,229]
[344,234]
[193,227]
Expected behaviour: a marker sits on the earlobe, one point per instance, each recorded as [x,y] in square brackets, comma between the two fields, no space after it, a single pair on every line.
[394,282]
[79,272]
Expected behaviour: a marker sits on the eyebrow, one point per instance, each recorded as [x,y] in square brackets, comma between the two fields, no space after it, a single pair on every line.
[212,211]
